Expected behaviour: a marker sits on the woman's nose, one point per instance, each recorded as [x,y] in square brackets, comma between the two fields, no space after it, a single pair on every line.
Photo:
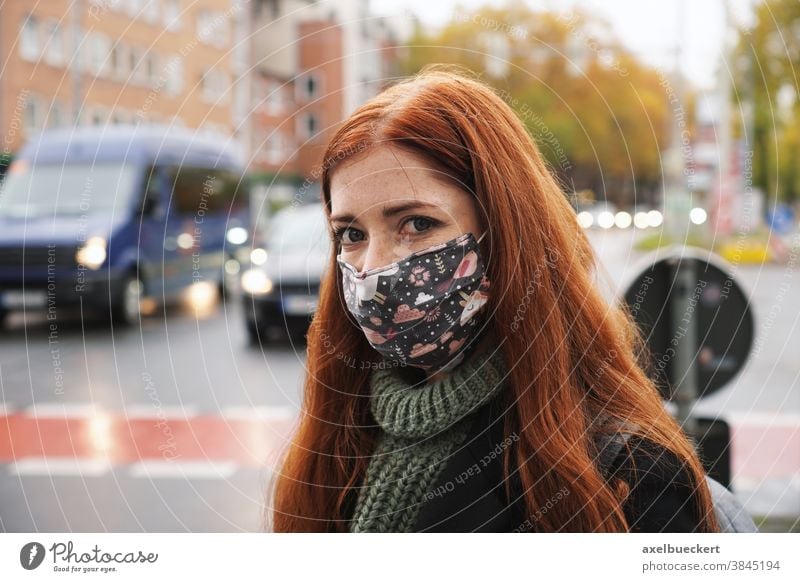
[379,254]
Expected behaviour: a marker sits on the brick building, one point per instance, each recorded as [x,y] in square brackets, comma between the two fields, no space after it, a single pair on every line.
[274,76]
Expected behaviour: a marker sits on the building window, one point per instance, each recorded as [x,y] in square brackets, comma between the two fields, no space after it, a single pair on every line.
[54,49]
[133,60]
[150,68]
[151,10]
[213,28]
[173,74]
[29,48]
[134,8]
[266,9]
[309,126]
[99,48]
[55,117]
[172,14]
[117,58]
[118,116]
[32,117]
[309,86]
[203,26]
[97,115]
[138,68]
[214,86]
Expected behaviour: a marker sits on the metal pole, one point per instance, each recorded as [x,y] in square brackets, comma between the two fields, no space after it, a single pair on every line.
[683,372]
[723,96]
[676,201]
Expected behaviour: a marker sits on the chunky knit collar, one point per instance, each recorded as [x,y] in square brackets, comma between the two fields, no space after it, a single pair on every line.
[419,410]
[422,425]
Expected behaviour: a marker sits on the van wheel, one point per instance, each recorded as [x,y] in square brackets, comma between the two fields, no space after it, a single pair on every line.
[262,336]
[254,335]
[128,307]
[222,292]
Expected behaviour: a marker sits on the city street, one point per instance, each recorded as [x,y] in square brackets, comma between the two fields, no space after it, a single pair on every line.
[176,426]
[171,427]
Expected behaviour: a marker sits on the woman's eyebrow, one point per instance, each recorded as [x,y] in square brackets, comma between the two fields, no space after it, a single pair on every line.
[387,211]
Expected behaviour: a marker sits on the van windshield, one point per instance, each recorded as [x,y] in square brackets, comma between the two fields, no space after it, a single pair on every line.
[66,189]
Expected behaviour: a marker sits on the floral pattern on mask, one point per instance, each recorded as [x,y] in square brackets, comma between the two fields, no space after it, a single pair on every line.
[422,309]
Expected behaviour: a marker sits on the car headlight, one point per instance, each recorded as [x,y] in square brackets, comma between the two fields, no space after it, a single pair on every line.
[236,235]
[258,256]
[93,253]
[256,282]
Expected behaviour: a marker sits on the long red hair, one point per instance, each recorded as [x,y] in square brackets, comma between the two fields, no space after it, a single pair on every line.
[572,357]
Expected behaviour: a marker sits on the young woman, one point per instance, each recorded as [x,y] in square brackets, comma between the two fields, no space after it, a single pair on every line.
[463,368]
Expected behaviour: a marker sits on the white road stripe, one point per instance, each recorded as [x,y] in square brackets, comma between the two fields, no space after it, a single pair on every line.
[60,466]
[148,411]
[165,469]
[64,410]
[259,413]
[145,411]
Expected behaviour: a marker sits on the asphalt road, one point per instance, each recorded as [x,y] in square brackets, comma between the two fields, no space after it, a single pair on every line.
[176,425]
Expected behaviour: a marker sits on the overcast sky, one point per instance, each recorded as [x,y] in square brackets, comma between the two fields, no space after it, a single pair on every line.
[650,28]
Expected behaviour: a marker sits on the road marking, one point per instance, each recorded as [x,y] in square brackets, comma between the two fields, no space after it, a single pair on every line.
[64,410]
[259,413]
[146,411]
[166,469]
[60,466]
[124,441]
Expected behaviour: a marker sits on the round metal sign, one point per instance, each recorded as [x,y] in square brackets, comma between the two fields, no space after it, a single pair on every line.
[685,302]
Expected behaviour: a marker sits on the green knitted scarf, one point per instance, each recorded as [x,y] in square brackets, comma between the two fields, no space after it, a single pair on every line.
[422,424]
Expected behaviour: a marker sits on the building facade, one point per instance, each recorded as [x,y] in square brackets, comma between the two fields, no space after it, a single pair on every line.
[120,61]
[274,76]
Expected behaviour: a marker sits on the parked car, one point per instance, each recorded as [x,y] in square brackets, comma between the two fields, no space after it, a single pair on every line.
[104,217]
[280,289]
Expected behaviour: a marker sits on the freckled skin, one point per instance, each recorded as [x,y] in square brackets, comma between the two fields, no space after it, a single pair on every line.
[385,174]
[362,185]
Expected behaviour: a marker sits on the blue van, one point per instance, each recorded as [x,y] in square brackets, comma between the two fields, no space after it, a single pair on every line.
[103,217]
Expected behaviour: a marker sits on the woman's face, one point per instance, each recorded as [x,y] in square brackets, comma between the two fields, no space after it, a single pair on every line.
[388,203]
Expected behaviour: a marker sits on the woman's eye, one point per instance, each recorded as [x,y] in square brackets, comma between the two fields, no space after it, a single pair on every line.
[421,223]
[349,235]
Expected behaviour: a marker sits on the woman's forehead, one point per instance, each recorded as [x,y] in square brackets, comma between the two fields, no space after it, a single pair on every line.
[382,175]
[378,164]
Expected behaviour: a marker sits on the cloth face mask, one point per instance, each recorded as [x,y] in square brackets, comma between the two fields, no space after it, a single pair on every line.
[421,309]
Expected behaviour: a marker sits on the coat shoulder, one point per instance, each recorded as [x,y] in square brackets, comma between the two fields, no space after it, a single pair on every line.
[661,497]
[469,495]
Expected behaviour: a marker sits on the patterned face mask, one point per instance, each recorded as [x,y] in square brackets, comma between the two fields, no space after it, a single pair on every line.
[421,310]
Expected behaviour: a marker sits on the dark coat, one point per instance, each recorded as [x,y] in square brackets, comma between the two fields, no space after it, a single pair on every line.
[475,501]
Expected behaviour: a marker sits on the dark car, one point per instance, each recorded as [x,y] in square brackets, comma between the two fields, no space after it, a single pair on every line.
[281,287]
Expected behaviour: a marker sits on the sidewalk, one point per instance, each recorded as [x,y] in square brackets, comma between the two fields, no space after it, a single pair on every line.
[765,459]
